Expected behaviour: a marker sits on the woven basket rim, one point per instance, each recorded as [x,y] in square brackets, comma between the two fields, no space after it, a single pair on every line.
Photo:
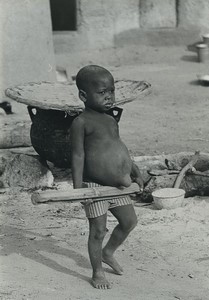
[64,96]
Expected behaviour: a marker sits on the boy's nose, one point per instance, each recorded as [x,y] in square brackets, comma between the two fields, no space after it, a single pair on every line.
[109,96]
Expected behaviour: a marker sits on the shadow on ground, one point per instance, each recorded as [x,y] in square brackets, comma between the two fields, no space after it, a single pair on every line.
[19,241]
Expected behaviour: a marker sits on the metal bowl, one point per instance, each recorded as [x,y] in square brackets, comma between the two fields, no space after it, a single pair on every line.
[168,198]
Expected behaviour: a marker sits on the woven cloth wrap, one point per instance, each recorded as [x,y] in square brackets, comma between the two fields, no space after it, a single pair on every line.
[64,96]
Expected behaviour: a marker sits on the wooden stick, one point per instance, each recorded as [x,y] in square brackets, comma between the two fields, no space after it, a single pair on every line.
[198,173]
[192,162]
[77,195]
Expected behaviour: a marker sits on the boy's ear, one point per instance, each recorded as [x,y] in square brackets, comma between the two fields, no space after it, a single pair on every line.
[82,95]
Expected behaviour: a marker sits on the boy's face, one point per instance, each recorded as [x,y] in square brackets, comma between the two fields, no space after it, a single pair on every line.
[100,95]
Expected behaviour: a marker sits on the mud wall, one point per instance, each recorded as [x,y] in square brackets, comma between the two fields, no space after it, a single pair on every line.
[101,21]
[26,42]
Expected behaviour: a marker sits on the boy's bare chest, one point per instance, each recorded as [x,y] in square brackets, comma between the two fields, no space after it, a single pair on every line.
[103,128]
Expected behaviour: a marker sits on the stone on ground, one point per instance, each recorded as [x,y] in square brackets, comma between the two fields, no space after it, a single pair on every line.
[28,172]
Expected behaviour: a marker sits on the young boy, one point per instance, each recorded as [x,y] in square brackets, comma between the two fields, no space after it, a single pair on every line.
[100,158]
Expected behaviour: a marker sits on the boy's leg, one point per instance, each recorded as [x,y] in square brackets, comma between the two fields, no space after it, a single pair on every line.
[97,231]
[127,219]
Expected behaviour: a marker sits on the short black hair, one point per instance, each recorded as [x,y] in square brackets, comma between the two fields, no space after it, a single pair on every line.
[89,74]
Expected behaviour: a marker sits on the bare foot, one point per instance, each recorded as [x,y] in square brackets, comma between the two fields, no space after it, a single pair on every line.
[112,262]
[100,282]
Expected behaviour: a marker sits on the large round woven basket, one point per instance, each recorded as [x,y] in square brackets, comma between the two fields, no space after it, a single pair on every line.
[53,107]
[64,96]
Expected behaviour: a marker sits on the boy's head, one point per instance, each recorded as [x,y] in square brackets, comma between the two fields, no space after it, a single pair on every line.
[96,87]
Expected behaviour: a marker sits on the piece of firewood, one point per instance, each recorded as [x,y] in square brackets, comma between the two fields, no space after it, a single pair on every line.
[162,172]
[181,175]
[14,133]
[172,172]
[78,195]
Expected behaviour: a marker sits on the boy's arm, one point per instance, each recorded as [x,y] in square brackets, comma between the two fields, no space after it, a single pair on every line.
[77,152]
[136,176]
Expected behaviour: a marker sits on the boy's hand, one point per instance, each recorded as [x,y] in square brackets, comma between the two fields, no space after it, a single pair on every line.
[87,201]
[140,183]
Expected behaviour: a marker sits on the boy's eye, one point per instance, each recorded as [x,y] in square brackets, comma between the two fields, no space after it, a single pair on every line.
[103,92]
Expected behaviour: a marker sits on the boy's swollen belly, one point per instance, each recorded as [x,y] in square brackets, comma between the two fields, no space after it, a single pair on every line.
[109,165]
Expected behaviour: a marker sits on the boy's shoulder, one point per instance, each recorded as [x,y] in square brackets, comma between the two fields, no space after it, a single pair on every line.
[81,120]
[78,121]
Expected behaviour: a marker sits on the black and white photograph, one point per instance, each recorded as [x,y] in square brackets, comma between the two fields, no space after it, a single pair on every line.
[104,149]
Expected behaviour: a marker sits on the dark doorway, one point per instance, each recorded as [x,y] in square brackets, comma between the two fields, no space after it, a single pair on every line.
[63,13]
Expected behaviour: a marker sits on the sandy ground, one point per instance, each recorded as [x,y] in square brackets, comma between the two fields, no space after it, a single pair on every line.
[44,248]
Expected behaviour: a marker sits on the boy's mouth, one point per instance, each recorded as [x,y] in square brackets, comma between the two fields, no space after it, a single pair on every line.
[108,105]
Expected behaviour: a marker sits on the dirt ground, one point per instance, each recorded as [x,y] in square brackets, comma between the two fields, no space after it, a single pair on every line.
[44,247]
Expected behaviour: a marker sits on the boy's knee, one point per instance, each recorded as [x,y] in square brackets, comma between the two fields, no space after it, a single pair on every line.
[98,233]
[133,224]
[130,225]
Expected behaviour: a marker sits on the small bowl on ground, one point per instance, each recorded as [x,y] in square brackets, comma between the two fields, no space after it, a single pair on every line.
[168,198]
[203,79]
[206,38]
